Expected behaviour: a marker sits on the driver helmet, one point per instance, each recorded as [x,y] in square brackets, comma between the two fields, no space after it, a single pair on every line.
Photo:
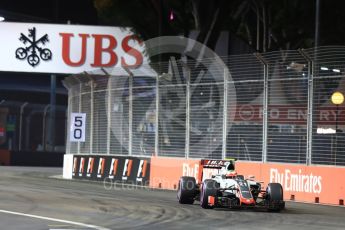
[229,170]
[231,174]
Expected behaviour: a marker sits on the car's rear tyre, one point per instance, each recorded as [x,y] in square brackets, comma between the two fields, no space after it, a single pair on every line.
[275,197]
[209,188]
[186,190]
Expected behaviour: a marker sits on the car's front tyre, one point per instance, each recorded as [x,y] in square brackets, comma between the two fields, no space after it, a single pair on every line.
[186,190]
[275,197]
[209,188]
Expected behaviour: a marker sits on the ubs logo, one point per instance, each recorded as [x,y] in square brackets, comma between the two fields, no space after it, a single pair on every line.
[33,52]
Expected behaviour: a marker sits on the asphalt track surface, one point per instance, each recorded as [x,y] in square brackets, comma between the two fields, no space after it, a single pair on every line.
[32,198]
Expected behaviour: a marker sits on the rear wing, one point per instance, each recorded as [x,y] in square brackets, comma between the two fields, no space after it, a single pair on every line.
[216,164]
[212,167]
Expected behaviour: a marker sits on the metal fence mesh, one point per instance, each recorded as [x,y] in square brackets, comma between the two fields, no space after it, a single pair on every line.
[26,127]
[244,139]
[271,107]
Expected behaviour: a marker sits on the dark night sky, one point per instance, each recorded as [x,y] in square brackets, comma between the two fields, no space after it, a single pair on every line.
[60,11]
[35,88]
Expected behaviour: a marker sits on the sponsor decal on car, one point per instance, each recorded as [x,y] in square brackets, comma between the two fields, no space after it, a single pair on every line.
[213,163]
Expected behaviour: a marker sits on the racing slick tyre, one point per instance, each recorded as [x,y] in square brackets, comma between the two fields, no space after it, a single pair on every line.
[186,190]
[275,197]
[209,188]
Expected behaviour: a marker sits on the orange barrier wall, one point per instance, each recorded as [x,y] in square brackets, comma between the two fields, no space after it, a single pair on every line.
[4,157]
[322,184]
[165,172]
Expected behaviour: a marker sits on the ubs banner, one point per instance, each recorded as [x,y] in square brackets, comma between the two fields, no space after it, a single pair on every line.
[123,169]
[53,48]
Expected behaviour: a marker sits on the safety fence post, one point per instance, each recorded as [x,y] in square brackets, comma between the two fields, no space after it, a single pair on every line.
[52,113]
[21,124]
[187,146]
[91,114]
[156,153]
[130,110]
[225,113]
[310,105]
[44,131]
[265,107]
[109,105]
[79,109]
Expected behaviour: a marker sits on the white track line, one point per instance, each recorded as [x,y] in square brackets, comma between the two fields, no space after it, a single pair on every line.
[54,219]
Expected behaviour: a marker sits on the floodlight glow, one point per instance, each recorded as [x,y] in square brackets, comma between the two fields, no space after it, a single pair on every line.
[2,19]
[324,68]
[171,17]
[337,98]
[336,70]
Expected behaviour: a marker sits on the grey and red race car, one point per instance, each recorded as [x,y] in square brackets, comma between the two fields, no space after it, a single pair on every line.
[227,189]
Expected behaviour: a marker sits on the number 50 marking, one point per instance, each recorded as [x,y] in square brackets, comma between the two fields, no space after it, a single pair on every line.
[77,130]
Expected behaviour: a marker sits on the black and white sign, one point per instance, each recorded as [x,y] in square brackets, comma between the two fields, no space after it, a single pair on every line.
[77,129]
[124,169]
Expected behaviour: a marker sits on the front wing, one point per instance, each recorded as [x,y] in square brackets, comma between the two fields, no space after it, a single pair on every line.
[226,202]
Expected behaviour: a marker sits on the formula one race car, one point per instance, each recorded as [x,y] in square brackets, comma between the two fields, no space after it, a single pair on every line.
[226,189]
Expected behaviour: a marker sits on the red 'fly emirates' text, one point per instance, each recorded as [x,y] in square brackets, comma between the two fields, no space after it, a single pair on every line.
[297,182]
